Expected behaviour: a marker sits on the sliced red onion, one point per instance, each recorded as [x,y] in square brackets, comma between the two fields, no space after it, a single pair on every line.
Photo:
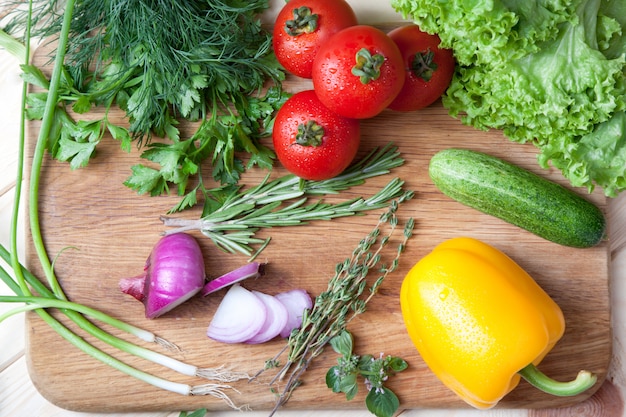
[251,270]
[173,273]
[239,317]
[275,320]
[296,301]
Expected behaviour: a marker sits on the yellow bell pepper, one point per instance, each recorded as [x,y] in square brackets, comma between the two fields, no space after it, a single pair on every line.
[480,321]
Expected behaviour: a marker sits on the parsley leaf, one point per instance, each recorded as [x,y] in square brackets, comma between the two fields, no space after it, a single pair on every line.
[219,139]
[146,180]
[203,62]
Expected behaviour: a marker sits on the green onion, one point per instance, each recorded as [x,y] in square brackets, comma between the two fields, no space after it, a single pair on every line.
[232,226]
[55,297]
[12,45]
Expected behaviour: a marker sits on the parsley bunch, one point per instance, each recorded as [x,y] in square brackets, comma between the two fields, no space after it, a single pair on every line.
[162,63]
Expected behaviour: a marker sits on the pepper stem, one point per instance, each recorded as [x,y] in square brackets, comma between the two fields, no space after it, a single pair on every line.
[584,380]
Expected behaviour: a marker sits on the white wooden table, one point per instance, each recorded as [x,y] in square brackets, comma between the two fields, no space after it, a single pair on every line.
[18,396]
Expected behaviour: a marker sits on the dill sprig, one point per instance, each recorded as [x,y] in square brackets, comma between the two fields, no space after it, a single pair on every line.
[162,63]
[341,302]
[158,59]
[233,224]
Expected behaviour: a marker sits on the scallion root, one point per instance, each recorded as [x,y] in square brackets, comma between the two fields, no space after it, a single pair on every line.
[167,345]
[217,390]
[221,374]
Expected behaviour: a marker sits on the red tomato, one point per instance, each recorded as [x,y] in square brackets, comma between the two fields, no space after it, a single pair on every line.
[302,26]
[429,68]
[311,141]
[358,72]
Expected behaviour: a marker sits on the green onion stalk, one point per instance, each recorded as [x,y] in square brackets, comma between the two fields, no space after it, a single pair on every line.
[54,296]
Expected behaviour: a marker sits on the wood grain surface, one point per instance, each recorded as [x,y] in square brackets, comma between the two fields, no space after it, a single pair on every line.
[102,231]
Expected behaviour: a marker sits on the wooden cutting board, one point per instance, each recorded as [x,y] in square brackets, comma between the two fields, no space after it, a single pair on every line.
[102,231]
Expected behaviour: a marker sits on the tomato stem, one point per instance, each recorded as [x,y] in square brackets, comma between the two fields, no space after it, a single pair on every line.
[303,22]
[423,65]
[310,134]
[367,65]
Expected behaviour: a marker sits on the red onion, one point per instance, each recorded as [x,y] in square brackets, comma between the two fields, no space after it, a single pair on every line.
[134,286]
[239,317]
[251,270]
[296,301]
[173,273]
[275,320]
[246,316]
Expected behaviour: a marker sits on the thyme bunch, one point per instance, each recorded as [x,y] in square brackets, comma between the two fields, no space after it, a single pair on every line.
[343,300]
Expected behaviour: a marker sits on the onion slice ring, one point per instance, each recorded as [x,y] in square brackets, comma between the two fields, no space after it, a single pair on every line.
[239,316]
[275,320]
[251,270]
[296,301]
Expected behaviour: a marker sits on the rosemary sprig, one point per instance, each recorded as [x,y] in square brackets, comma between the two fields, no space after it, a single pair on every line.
[340,303]
[233,225]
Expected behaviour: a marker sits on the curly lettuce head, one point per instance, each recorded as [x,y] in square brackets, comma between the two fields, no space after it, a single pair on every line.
[554,77]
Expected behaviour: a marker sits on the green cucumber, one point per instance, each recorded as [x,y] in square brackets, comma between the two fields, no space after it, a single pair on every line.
[518,196]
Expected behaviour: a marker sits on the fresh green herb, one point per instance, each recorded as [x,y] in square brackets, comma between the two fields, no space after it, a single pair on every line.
[197,413]
[181,159]
[23,282]
[163,63]
[380,400]
[69,141]
[546,73]
[232,218]
[340,303]
[12,45]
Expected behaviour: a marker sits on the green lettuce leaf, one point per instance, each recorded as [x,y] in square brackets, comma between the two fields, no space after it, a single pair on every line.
[597,157]
[612,27]
[563,89]
[488,31]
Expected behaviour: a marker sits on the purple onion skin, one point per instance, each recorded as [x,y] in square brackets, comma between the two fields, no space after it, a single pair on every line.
[175,272]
